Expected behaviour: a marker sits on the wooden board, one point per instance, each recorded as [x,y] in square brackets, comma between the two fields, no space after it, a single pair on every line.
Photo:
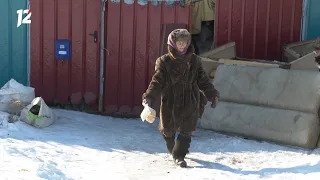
[248,63]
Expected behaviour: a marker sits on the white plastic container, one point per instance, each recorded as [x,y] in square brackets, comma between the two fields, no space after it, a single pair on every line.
[148,114]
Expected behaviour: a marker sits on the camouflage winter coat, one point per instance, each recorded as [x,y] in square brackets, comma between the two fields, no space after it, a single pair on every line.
[179,80]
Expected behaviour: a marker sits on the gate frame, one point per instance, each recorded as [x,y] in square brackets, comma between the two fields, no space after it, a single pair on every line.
[305,19]
[102,50]
[28,49]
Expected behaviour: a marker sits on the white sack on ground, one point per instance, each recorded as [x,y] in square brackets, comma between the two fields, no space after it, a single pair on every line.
[13,96]
[38,114]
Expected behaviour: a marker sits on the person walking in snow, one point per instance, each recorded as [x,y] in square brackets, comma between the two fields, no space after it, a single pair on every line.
[179,77]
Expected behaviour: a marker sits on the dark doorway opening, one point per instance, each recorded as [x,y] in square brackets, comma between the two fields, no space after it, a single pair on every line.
[203,42]
[202,28]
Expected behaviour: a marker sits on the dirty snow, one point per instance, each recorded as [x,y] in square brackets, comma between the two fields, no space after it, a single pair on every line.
[82,146]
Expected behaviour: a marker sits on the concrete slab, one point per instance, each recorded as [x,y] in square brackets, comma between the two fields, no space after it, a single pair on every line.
[226,51]
[276,125]
[305,63]
[209,65]
[299,49]
[295,90]
[248,63]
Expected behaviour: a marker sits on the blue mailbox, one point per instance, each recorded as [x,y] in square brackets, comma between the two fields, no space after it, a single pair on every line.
[63,49]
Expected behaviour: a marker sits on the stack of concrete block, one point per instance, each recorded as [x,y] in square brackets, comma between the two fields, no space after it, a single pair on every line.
[262,103]
[226,51]
[301,54]
[226,54]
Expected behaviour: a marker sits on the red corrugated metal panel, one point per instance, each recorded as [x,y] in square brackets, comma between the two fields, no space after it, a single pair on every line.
[133,39]
[260,28]
[78,77]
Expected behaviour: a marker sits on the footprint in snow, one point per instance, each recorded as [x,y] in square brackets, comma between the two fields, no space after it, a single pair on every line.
[48,170]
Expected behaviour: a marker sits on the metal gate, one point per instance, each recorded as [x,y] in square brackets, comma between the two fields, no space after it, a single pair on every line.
[66,81]
[133,38]
[13,43]
[131,44]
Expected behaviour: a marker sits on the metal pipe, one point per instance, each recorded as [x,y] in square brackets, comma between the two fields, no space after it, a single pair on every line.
[304,20]
[102,49]
[28,49]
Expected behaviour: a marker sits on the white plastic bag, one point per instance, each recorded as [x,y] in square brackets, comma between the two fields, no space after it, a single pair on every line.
[14,93]
[43,117]
[148,114]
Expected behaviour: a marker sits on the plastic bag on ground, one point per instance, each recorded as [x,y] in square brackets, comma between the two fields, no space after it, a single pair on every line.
[38,114]
[14,96]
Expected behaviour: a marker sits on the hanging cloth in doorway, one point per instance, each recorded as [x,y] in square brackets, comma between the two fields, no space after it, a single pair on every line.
[204,10]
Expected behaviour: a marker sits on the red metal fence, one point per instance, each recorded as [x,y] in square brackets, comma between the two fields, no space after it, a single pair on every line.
[74,79]
[132,44]
[133,40]
[260,28]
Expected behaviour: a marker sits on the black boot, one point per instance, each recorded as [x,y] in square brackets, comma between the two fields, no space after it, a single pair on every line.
[180,150]
[169,142]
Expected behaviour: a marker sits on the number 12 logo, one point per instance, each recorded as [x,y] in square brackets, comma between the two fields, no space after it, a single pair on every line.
[25,20]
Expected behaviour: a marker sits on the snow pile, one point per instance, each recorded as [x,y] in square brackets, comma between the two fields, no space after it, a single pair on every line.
[13,91]
[17,99]
[83,146]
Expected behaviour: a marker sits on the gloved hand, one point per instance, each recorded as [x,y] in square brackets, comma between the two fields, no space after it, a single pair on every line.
[146,101]
[215,100]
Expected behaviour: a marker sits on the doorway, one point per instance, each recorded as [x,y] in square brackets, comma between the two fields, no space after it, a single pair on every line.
[202,29]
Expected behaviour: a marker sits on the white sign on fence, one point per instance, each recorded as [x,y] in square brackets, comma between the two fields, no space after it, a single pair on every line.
[26,19]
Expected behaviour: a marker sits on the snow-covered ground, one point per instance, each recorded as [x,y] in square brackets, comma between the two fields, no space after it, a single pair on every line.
[82,146]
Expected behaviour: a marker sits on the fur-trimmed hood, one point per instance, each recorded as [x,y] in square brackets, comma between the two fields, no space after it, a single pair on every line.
[179,35]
